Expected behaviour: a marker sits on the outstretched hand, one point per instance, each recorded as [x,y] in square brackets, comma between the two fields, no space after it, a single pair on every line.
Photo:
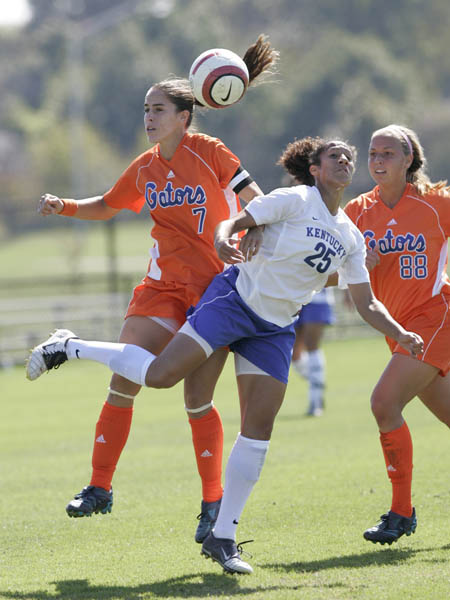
[412,342]
[227,252]
[50,205]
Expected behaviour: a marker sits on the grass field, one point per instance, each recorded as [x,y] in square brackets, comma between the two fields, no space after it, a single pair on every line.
[76,246]
[323,483]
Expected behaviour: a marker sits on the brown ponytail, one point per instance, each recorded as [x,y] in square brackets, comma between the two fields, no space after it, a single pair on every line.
[260,57]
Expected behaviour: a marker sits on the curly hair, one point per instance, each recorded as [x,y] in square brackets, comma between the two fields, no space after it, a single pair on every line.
[299,155]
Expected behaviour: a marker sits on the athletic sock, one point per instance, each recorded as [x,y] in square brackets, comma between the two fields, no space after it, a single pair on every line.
[301,365]
[243,470]
[316,378]
[111,434]
[398,455]
[127,360]
[207,437]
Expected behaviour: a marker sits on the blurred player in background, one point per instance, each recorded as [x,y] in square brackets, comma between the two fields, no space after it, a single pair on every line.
[405,220]
[189,182]
[251,308]
[308,358]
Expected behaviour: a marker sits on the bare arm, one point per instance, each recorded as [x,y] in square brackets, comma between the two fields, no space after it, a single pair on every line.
[90,209]
[376,314]
[249,192]
[252,240]
[223,240]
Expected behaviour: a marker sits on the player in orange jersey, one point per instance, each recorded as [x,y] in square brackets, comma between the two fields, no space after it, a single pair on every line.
[405,220]
[189,182]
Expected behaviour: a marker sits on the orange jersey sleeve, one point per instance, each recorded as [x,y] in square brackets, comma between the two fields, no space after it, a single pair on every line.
[413,247]
[126,193]
[187,196]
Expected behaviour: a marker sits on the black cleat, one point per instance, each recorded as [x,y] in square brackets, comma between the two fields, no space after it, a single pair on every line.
[90,500]
[391,527]
[227,553]
[207,518]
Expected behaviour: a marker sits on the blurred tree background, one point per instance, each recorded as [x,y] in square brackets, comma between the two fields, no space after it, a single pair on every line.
[73,81]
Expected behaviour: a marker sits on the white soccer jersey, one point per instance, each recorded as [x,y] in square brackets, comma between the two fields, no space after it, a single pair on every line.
[303,243]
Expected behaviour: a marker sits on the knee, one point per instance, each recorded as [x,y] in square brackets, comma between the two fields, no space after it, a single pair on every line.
[160,378]
[382,405]
[191,395]
[122,391]
[195,397]
[376,403]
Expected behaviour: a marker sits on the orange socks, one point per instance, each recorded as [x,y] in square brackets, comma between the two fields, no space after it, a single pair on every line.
[207,437]
[398,454]
[111,434]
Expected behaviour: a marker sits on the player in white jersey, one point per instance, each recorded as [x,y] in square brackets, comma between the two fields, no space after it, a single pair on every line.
[251,308]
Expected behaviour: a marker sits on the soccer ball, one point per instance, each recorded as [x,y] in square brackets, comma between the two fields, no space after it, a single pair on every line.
[219,78]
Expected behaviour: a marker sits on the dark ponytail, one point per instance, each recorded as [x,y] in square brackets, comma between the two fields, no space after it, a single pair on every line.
[260,57]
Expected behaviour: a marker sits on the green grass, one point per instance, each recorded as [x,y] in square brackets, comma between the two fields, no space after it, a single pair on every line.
[323,483]
[76,247]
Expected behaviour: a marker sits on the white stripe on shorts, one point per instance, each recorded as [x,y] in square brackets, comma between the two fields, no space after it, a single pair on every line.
[242,366]
[187,329]
[169,324]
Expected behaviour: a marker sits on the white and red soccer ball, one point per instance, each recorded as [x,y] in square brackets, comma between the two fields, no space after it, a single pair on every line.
[219,78]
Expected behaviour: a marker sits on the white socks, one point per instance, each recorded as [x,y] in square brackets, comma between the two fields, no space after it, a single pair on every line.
[301,365]
[243,469]
[128,360]
[316,378]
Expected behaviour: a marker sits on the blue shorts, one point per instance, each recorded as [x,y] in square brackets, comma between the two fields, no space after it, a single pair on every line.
[316,312]
[222,318]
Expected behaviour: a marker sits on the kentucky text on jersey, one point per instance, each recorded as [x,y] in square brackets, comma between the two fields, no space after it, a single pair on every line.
[323,234]
[396,243]
[173,197]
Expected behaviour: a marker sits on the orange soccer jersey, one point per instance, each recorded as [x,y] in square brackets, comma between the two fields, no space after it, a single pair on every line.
[413,246]
[412,240]
[187,197]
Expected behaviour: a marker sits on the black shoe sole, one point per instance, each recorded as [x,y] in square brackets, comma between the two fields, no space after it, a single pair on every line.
[79,513]
[389,542]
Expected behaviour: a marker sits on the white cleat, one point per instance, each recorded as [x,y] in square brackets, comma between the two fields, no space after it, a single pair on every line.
[226,553]
[48,355]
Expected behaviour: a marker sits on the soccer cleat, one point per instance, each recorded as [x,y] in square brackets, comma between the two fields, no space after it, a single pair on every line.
[391,527]
[48,355]
[227,553]
[207,518]
[317,402]
[90,500]
[316,411]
